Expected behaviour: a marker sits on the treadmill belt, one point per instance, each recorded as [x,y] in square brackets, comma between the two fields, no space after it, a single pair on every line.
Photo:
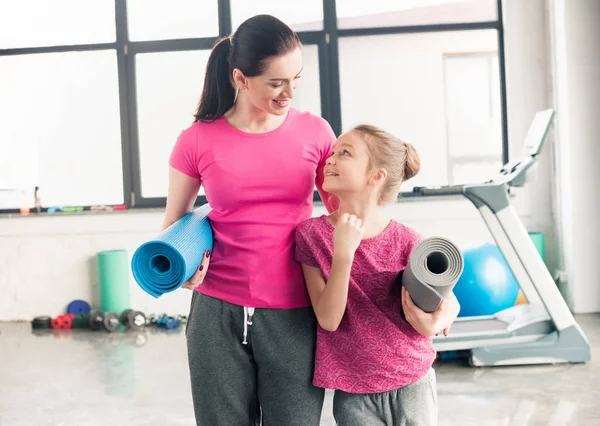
[478,326]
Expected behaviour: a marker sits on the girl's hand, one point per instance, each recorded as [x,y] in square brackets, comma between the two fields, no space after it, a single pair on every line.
[429,324]
[198,277]
[347,235]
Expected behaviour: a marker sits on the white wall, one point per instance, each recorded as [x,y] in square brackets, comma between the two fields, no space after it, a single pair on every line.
[47,261]
[576,65]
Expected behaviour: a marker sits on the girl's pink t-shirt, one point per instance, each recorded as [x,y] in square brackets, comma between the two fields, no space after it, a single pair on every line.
[374,349]
[260,187]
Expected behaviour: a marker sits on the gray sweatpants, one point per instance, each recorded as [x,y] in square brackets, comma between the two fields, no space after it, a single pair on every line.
[410,405]
[269,377]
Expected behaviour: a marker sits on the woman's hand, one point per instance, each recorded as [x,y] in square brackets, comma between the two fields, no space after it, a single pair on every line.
[347,235]
[430,324]
[198,277]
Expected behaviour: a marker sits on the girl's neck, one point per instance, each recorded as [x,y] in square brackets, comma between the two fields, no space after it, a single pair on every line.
[246,117]
[370,213]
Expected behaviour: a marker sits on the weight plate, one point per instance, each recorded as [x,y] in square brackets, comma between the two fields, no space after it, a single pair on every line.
[111,321]
[41,322]
[78,307]
[96,320]
[124,317]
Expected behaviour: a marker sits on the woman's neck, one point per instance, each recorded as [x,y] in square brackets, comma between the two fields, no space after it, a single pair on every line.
[369,212]
[246,117]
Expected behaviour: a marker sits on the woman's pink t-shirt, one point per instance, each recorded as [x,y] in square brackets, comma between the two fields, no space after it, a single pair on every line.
[260,187]
[374,349]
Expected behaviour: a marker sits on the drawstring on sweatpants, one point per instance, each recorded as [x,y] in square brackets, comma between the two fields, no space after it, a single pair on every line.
[248,312]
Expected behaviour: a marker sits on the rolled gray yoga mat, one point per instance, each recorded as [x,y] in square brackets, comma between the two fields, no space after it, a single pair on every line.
[434,267]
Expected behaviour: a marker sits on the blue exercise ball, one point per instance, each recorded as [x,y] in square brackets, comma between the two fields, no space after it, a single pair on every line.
[487,284]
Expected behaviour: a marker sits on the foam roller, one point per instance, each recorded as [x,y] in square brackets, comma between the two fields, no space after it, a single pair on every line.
[433,270]
[164,263]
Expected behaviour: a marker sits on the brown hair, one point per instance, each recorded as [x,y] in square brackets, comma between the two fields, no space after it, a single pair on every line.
[399,159]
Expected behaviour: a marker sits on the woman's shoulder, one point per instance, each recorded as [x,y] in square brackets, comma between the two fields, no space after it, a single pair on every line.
[200,134]
[307,118]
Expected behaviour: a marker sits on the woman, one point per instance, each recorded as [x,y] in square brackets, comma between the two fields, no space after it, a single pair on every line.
[251,330]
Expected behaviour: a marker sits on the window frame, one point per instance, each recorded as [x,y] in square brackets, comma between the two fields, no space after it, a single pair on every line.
[327,41]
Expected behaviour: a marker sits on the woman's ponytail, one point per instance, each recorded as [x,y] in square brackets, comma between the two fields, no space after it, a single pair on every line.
[218,94]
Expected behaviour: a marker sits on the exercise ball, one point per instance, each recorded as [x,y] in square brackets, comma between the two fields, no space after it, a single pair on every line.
[487,285]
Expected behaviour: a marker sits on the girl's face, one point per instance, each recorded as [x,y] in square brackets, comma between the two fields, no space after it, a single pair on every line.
[273,91]
[347,169]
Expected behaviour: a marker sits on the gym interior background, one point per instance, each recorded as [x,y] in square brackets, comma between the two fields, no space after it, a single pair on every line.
[93,95]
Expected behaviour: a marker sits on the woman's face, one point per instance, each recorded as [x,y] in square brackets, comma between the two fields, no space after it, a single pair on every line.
[273,91]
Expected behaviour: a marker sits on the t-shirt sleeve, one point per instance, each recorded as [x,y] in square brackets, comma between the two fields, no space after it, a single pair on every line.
[413,238]
[325,140]
[304,252]
[184,156]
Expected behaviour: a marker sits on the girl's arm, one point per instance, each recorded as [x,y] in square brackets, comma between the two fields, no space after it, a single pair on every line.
[430,324]
[329,299]
[451,313]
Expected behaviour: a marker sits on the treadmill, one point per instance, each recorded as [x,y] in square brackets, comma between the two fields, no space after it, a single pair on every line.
[543,331]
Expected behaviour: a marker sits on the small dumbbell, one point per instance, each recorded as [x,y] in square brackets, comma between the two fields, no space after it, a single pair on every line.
[168,322]
[108,321]
[133,320]
[62,322]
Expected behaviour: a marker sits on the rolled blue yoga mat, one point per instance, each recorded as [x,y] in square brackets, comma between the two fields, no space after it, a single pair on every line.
[164,263]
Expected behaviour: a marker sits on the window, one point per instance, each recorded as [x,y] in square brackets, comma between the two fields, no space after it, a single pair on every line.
[305,17]
[33,23]
[308,95]
[61,130]
[93,95]
[168,89]
[172,19]
[396,13]
[403,91]
[473,121]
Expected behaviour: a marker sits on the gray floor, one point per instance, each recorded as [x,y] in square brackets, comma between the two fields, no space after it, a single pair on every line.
[84,378]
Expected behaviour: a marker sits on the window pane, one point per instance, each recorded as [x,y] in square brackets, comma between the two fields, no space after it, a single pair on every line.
[308,94]
[168,90]
[307,17]
[475,171]
[36,23]
[172,19]
[472,88]
[394,13]
[403,91]
[61,128]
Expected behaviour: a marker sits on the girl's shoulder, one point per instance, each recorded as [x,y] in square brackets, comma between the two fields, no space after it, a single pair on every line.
[314,226]
[403,236]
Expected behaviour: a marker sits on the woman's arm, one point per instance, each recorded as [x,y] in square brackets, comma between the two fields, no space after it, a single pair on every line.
[182,194]
[183,190]
[330,201]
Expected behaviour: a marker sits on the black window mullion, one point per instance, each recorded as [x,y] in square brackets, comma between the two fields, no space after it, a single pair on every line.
[503,98]
[224,18]
[332,66]
[129,156]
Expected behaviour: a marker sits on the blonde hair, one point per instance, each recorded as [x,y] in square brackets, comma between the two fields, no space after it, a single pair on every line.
[399,159]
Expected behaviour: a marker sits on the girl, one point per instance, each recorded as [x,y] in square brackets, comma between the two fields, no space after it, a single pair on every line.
[374,345]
